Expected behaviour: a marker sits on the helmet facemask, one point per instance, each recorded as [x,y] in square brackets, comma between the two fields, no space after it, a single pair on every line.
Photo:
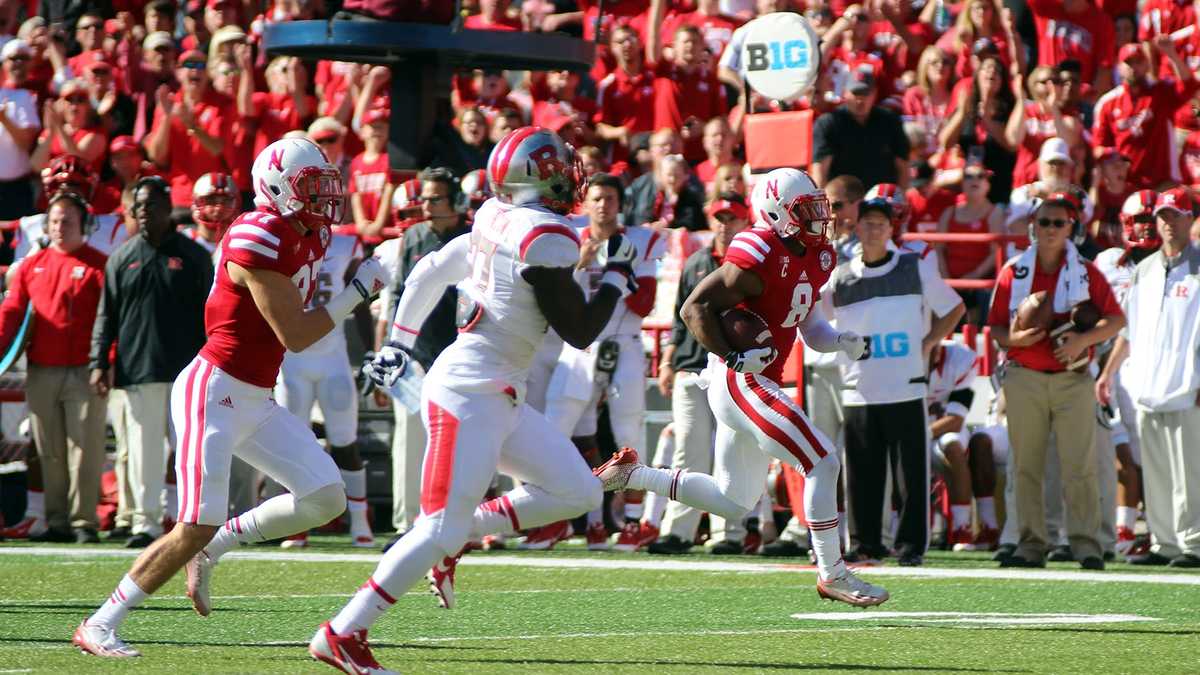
[317,197]
[811,218]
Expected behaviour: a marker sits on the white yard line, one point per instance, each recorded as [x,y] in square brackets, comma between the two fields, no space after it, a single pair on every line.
[549,561]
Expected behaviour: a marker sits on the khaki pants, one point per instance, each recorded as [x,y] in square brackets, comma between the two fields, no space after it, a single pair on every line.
[1171,469]
[68,428]
[146,429]
[118,417]
[408,451]
[1064,403]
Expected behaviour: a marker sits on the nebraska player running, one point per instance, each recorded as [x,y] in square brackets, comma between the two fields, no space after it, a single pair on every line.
[221,403]
[776,272]
[522,256]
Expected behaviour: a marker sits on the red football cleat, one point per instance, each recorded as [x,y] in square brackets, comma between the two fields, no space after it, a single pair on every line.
[597,537]
[544,538]
[987,539]
[29,527]
[616,471]
[961,539]
[295,541]
[441,580]
[349,653]
[635,536]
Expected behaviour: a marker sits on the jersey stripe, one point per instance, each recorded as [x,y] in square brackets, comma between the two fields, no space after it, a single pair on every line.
[748,249]
[546,229]
[254,231]
[755,240]
[256,247]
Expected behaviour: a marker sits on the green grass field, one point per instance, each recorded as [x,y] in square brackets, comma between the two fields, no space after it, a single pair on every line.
[573,612]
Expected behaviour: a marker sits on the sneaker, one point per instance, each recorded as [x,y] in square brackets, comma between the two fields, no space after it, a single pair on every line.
[295,541]
[1150,558]
[494,542]
[441,580]
[616,471]
[199,575]
[53,536]
[960,539]
[1015,560]
[635,536]
[848,588]
[785,548]
[101,641]
[1092,562]
[1185,561]
[986,539]
[597,537]
[119,532]
[669,545]
[910,559]
[725,547]
[29,527]
[1060,553]
[86,535]
[545,537]
[349,654]
[1003,552]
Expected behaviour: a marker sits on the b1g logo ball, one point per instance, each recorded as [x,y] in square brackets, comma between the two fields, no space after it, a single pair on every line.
[781,55]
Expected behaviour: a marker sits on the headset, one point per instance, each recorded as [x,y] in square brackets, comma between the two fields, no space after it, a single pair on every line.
[445,176]
[87,218]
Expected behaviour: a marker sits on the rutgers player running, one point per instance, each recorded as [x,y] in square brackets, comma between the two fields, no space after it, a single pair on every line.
[322,373]
[214,206]
[522,257]
[1140,234]
[776,272]
[221,404]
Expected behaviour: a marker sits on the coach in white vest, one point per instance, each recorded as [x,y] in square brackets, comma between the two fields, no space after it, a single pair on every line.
[889,297]
[1163,309]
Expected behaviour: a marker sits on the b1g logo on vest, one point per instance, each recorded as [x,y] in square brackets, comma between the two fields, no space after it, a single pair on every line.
[887,346]
[780,57]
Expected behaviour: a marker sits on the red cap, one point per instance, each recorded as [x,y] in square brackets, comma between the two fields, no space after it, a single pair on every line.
[123,144]
[1131,51]
[193,55]
[1177,198]
[738,209]
[376,115]
[112,27]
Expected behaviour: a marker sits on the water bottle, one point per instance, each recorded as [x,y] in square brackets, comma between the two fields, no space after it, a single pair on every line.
[941,17]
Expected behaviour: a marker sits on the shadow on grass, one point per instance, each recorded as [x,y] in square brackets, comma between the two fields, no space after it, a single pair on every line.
[281,644]
[732,665]
[71,608]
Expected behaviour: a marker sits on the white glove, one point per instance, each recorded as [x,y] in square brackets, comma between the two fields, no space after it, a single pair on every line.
[750,361]
[387,365]
[370,278]
[853,345]
[617,256]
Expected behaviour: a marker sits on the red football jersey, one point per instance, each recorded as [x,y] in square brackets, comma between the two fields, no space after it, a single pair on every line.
[240,341]
[791,285]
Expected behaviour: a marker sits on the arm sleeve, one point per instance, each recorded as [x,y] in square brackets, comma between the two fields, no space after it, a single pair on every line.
[642,302]
[425,287]
[12,310]
[104,332]
[960,402]
[817,332]
[938,294]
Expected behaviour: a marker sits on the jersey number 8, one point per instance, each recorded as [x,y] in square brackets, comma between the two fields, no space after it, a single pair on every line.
[802,299]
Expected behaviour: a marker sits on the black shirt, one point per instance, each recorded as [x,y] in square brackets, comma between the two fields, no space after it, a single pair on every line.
[867,151]
[689,355]
[153,308]
[439,330]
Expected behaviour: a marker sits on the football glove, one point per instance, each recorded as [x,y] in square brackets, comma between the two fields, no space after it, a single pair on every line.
[370,278]
[751,360]
[619,255]
[387,365]
[853,345]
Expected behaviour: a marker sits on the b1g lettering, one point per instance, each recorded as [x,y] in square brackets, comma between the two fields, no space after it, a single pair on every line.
[790,54]
[888,346]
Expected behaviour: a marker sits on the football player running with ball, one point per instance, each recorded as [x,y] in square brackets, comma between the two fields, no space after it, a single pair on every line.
[221,403]
[775,271]
[517,268]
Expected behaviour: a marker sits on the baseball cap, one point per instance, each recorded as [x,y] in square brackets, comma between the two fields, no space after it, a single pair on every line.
[14,47]
[861,83]
[1177,198]
[159,38]
[878,204]
[122,144]
[1055,150]
[376,115]
[1131,51]
[193,55]
[325,127]
[729,202]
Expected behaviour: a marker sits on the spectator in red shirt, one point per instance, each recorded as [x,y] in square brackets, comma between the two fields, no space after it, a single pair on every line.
[146,68]
[1108,195]
[1165,16]
[1135,117]
[371,186]
[625,97]
[727,178]
[1076,29]
[1034,121]
[160,16]
[62,283]
[718,142]
[973,214]
[716,29]
[493,15]
[117,112]
[69,127]
[926,103]
[556,94]
[191,129]
[89,35]
[285,106]
[686,90]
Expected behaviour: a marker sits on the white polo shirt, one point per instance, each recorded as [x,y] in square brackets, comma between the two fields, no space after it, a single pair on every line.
[20,108]
[1163,310]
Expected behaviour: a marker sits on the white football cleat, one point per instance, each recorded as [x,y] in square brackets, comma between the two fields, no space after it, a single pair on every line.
[441,581]
[616,471]
[199,575]
[848,588]
[349,654]
[101,641]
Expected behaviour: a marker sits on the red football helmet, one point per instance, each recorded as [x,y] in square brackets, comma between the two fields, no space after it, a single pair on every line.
[475,188]
[69,173]
[533,165]
[406,203]
[901,212]
[1137,221]
[214,201]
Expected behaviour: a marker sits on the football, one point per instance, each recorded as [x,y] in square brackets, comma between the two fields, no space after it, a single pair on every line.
[1034,311]
[745,330]
[1085,316]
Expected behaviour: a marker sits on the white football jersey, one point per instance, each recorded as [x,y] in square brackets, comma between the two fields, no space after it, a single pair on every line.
[495,351]
[109,234]
[1119,276]
[331,280]
[956,371]
[651,247]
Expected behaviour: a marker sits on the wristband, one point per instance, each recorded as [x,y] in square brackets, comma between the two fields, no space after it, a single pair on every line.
[342,305]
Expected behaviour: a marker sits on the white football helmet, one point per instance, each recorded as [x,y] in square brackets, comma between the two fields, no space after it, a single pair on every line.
[791,203]
[214,200]
[293,177]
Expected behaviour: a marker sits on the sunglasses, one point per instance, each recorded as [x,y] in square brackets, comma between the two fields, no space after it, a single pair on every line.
[1058,223]
[1048,80]
[433,200]
[101,71]
[164,49]
[194,65]
[975,175]
[328,140]
[76,100]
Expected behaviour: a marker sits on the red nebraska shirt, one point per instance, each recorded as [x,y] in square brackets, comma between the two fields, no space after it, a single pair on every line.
[189,160]
[1087,37]
[1040,356]
[276,115]
[1039,126]
[1138,124]
[65,291]
[367,178]
[625,100]
[680,94]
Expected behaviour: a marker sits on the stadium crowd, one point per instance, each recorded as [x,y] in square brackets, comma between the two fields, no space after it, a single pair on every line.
[1071,128]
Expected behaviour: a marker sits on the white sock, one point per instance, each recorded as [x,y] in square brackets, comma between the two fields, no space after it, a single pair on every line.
[698,490]
[356,489]
[595,517]
[986,506]
[236,530]
[656,506]
[633,510]
[125,597]
[820,509]
[276,518]
[35,504]
[1126,517]
[402,566]
[364,608]
[960,515]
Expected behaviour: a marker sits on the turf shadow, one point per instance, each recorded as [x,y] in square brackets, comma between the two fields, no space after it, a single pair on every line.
[733,665]
[282,644]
